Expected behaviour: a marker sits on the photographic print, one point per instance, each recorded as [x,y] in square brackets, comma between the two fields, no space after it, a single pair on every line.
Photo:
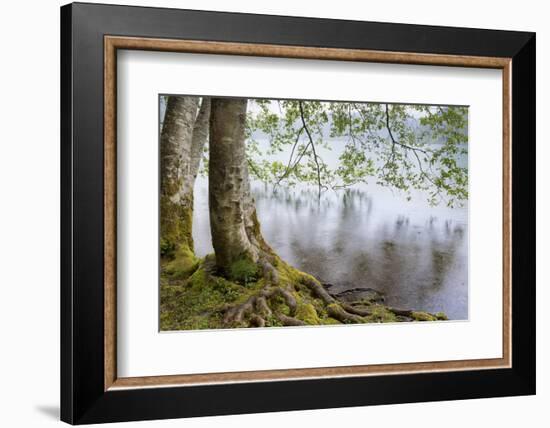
[287,212]
[326,201]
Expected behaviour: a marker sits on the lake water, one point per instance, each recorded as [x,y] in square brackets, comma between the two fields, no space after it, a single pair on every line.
[368,236]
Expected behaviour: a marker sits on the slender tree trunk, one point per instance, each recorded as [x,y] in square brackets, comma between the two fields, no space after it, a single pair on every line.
[200,135]
[233,222]
[176,195]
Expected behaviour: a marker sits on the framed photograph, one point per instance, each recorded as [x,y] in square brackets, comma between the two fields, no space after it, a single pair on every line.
[265,213]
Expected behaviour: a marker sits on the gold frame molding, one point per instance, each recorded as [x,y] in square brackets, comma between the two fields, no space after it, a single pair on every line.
[113,43]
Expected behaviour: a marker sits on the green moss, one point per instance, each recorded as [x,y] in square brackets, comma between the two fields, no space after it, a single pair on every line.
[278,304]
[272,321]
[167,248]
[330,321]
[243,271]
[379,313]
[307,313]
[423,316]
[441,316]
[194,297]
[288,274]
[176,226]
[183,264]
[198,302]
[320,308]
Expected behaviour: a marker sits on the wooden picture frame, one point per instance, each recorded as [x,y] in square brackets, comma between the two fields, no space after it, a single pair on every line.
[91,390]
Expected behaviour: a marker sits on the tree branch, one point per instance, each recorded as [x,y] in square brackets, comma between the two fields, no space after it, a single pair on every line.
[414,151]
[288,167]
[253,168]
[394,141]
[315,158]
[350,126]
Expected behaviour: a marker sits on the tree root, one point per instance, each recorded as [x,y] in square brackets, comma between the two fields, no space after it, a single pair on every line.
[262,307]
[362,312]
[235,314]
[318,290]
[354,290]
[339,310]
[269,272]
[400,312]
[343,295]
[278,301]
[417,315]
[339,313]
[257,321]
[290,321]
[257,306]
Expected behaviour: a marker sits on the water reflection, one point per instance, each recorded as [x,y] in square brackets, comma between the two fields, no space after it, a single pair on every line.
[364,237]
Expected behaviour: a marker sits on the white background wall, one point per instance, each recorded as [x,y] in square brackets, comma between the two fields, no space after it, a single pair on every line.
[29,213]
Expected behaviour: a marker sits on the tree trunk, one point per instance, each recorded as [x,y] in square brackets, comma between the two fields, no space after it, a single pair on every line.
[176,195]
[233,222]
[200,135]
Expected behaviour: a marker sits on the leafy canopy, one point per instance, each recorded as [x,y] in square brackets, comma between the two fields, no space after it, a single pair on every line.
[407,147]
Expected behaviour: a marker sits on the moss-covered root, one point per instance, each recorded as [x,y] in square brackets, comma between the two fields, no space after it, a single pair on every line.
[288,296]
[257,308]
[195,296]
[338,312]
[418,315]
[182,264]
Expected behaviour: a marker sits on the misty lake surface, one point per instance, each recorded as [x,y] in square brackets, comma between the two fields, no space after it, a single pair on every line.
[365,236]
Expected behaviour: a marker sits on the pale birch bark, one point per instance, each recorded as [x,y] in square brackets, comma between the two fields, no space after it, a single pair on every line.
[176,200]
[233,221]
[200,136]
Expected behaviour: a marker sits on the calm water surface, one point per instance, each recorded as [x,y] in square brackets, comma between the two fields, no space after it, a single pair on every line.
[367,236]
